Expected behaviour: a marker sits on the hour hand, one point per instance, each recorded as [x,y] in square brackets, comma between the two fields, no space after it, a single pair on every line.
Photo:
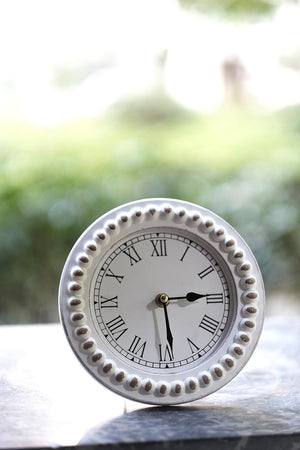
[190,297]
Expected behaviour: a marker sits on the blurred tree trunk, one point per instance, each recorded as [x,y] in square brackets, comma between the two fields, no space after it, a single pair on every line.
[234,76]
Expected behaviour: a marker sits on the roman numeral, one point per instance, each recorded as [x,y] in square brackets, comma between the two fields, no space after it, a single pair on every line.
[185,252]
[133,255]
[110,273]
[166,353]
[193,347]
[214,298]
[137,347]
[109,302]
[209,324]
[159,247]
[115,326]
[206,272]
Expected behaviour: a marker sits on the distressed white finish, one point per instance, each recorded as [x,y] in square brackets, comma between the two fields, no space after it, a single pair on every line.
[120,334]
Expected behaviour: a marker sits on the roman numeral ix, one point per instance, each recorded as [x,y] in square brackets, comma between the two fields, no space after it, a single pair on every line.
[109,302]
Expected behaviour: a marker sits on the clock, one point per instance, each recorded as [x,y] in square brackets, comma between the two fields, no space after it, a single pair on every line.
[162,301]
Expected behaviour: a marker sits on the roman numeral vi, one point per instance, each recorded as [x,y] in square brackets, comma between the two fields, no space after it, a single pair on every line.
[166,353]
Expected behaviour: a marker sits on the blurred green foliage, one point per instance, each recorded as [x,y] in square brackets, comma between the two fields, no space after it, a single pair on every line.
[54,182]
[235,8]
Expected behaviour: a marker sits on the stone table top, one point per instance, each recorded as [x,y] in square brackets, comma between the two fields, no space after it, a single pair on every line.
[49,400]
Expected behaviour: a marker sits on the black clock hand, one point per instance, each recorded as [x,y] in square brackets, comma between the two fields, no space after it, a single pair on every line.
[169,333]
[190,297]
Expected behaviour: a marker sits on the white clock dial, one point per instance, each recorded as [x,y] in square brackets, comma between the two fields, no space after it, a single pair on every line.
[162,301]
[126,312]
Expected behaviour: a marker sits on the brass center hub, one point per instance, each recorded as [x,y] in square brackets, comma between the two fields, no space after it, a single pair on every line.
[162,299]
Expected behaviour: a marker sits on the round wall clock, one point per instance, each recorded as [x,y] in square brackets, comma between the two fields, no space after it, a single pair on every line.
[162,301]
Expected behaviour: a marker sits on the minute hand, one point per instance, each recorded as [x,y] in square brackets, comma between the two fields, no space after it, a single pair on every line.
[168,329]
[190,297]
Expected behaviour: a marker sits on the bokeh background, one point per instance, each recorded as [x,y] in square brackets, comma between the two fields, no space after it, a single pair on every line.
[107,101]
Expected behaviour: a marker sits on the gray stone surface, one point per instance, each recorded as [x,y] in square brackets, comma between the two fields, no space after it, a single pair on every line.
[48,399]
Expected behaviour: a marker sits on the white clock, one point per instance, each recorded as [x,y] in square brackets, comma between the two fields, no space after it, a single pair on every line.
[162,301]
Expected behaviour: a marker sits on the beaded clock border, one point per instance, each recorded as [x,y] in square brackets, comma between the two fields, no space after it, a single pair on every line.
[205,225]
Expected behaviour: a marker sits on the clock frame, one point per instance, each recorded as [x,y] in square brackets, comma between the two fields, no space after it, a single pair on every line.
[173,384]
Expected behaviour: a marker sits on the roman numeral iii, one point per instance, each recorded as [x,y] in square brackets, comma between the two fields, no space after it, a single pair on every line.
[214,298]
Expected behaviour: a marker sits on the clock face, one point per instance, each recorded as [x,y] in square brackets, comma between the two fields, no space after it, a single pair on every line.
[128,317]
[162,301]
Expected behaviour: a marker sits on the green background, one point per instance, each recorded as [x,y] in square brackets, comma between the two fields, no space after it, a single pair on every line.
[54,182]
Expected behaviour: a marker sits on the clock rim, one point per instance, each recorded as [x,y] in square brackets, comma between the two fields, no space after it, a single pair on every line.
[110,225]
